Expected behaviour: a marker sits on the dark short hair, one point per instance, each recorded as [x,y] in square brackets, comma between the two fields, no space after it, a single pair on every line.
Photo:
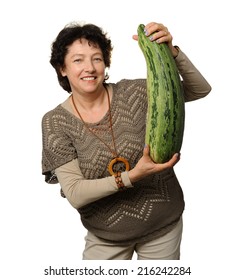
[70,33]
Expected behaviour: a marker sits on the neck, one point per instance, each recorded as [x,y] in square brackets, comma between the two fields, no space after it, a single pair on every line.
[89,101]
[90,107]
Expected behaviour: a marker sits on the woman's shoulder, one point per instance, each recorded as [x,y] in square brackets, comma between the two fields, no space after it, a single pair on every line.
[53,112]
[59,110]
[56,116]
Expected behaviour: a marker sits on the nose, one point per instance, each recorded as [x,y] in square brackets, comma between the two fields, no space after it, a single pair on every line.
[89,66]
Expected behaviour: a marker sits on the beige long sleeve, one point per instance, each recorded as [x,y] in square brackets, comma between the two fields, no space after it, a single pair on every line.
[80,191]
[195,85]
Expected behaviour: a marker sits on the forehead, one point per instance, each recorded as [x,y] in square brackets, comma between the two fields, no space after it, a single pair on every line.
[82,45]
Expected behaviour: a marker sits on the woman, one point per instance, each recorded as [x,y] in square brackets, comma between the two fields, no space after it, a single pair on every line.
[93,145]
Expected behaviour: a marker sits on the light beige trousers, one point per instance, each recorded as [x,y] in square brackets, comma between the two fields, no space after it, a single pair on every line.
[166,247]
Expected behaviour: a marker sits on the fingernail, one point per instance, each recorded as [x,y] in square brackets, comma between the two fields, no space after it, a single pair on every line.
[151,38]
[146,32]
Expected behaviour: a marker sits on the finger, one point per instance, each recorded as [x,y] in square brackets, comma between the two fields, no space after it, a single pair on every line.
[151,24]
[161,36]
[175,158]
[146,150]
[168,164]
[153,27]
[135,37]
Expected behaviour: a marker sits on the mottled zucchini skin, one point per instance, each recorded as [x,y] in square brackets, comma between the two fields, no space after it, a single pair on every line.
[166,111]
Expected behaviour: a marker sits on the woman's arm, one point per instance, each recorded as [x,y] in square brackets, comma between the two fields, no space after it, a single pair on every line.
[195,85]
[80,191]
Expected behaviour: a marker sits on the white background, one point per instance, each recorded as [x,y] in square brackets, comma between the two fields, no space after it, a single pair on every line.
[38,227]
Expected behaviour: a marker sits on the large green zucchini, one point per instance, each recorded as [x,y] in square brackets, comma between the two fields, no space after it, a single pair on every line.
[166,112]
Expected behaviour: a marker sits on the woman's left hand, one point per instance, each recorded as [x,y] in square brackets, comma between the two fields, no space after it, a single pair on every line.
[145,166]
[159,33]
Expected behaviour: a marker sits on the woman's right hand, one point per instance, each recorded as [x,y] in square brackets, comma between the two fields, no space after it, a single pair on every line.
[145,166]
[159,33]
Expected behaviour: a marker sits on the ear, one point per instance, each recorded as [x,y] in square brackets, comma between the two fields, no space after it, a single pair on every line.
[63,72]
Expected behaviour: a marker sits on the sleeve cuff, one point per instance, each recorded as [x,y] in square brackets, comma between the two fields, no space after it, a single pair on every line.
[180,56]
[125,179]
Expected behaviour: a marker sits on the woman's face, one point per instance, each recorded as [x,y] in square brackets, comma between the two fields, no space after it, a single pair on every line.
[84,67]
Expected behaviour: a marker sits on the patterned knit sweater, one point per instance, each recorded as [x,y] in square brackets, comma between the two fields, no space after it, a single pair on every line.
[149,209]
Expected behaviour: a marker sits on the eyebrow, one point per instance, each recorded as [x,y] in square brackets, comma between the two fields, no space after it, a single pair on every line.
[77,54]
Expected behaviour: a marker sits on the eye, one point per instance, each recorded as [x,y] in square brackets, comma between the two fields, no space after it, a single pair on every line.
[98,59]
[77,60]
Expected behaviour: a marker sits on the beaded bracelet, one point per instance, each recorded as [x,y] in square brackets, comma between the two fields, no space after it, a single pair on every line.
[118,180]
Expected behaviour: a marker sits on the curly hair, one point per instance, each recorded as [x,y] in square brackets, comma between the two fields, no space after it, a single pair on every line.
[70,33]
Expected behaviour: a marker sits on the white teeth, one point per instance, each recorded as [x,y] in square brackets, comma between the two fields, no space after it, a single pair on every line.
[88,79]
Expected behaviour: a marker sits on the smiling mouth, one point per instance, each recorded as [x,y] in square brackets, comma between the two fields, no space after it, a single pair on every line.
[89,78]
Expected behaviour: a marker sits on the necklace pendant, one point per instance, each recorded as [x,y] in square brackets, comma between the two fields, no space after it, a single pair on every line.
[116,160]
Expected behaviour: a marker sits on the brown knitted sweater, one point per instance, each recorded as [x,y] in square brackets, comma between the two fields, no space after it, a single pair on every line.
[138,213]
